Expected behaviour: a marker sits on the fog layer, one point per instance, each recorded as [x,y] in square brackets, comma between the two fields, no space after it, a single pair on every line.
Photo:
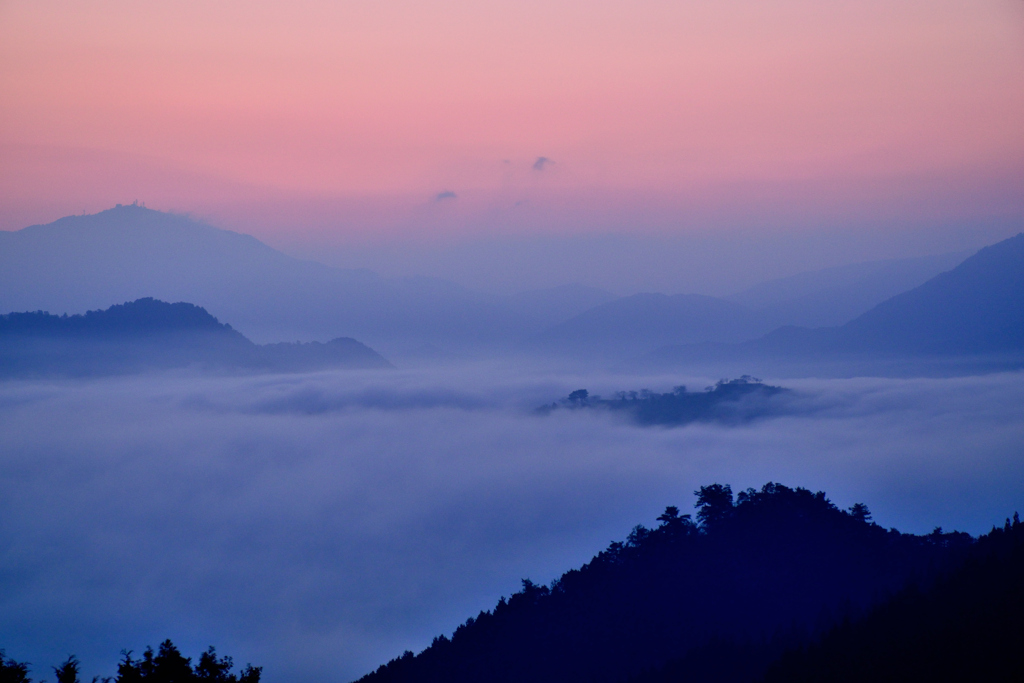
[321,524]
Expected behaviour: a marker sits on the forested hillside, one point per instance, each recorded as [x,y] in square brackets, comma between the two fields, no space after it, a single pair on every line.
[729,401]
[731,588]
[966,627]
[149,334]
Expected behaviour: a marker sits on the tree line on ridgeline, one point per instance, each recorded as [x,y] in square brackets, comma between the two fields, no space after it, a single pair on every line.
[763,584]
[165,665]
[729,401]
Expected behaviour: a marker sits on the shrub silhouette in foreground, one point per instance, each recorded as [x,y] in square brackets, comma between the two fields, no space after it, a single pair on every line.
[12,671]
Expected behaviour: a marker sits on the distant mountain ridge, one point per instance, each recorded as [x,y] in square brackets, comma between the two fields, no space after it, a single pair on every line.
[88,262]
[148,334]
[81,263]
[974,309]
[978,307]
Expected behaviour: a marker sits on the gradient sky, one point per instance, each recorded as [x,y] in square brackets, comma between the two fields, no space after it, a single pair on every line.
[343,121]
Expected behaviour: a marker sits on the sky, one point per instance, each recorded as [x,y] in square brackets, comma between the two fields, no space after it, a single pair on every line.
[321,524]
[370,133]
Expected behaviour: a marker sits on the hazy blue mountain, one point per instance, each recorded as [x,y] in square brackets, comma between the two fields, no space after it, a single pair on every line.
[978,307]
[80,263]
[149,335]
[974,309]
[834,296]
[642,322]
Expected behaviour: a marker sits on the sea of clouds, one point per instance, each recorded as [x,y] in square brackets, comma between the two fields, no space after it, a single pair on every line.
[321,524]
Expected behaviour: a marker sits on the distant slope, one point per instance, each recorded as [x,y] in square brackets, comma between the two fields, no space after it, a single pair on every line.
[778,563]
[81,263]
[974,309]
[834,296]
[642,322]
[978,307]
[152,335]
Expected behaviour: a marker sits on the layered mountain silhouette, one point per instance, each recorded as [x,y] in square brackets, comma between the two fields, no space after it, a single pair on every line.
[975,309]
[640,323]
[148,334]
[719,598]
[81,263]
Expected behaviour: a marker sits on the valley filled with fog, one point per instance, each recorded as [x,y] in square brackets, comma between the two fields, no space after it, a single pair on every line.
[322,523]
[175,466]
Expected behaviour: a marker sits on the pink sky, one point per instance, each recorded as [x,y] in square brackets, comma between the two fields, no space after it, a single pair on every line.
[351,117]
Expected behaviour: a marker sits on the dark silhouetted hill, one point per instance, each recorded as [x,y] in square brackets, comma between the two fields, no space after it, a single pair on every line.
[135,319]
[771,568]
[643,322]
[729,402]
[149,335]
[969,626]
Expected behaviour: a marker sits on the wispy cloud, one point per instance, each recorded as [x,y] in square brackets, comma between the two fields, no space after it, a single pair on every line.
[541,163]
[447,194]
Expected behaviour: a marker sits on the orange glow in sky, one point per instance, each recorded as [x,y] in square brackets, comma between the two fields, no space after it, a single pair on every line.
[382,106]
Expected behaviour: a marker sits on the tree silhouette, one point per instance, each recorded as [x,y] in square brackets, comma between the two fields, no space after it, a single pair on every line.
[860,511]
[714,504]
[168,665]
[12,671]
[68,671]
[165,665]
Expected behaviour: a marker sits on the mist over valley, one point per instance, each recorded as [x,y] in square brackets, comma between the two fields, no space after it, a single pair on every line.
[321,506]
